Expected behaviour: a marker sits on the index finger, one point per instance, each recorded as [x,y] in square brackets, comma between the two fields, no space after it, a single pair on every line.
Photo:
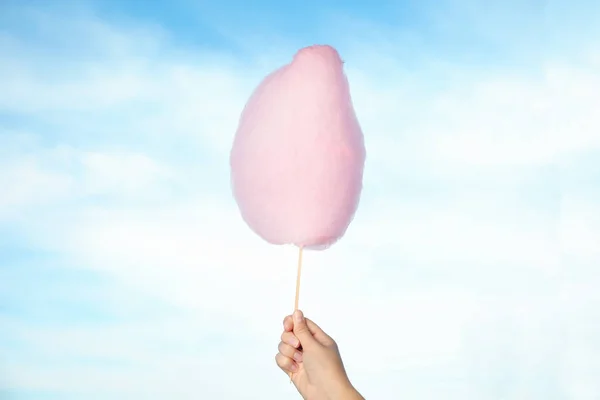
[288,324]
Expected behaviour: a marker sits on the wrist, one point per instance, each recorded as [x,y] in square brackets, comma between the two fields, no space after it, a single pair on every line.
[346,392]
[352,394]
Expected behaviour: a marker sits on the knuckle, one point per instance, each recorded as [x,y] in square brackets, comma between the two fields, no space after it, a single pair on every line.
[280,359]
[286,349]
[283,362]
[290,338]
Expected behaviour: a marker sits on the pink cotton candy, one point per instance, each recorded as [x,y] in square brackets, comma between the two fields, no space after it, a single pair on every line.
[298,154]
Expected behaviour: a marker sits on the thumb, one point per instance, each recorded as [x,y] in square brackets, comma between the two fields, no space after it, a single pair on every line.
[301,330]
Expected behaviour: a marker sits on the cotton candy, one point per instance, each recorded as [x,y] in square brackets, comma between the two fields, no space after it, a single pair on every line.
[298,154]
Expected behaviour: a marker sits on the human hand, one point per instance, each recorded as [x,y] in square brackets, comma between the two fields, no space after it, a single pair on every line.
[313,360]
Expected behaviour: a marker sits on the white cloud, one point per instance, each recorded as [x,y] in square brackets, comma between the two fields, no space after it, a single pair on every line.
[25,183]
[580,229]
[123,174]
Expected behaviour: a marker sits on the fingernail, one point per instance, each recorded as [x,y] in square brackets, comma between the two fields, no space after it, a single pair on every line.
[298,356]
[298,317]
[293,368]
[294,342]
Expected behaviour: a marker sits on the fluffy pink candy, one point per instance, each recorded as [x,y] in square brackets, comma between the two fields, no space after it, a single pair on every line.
[298,155]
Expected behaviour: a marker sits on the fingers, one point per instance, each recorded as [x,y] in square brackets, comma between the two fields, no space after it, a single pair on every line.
[291,339]
[288,348]
[288,324]
[290,352]
[314,329]
[286,364]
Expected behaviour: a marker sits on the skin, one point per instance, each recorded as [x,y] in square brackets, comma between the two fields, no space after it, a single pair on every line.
[313,360]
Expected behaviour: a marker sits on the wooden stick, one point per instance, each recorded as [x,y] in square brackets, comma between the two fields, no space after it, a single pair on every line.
[298,278]
[297,287]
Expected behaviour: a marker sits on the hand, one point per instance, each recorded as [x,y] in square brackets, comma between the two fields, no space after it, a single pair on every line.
[313,360]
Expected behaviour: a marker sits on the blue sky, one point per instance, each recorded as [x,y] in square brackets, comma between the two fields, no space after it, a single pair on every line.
[470,271]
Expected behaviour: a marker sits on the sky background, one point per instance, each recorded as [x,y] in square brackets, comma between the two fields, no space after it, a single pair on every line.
[471,270]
